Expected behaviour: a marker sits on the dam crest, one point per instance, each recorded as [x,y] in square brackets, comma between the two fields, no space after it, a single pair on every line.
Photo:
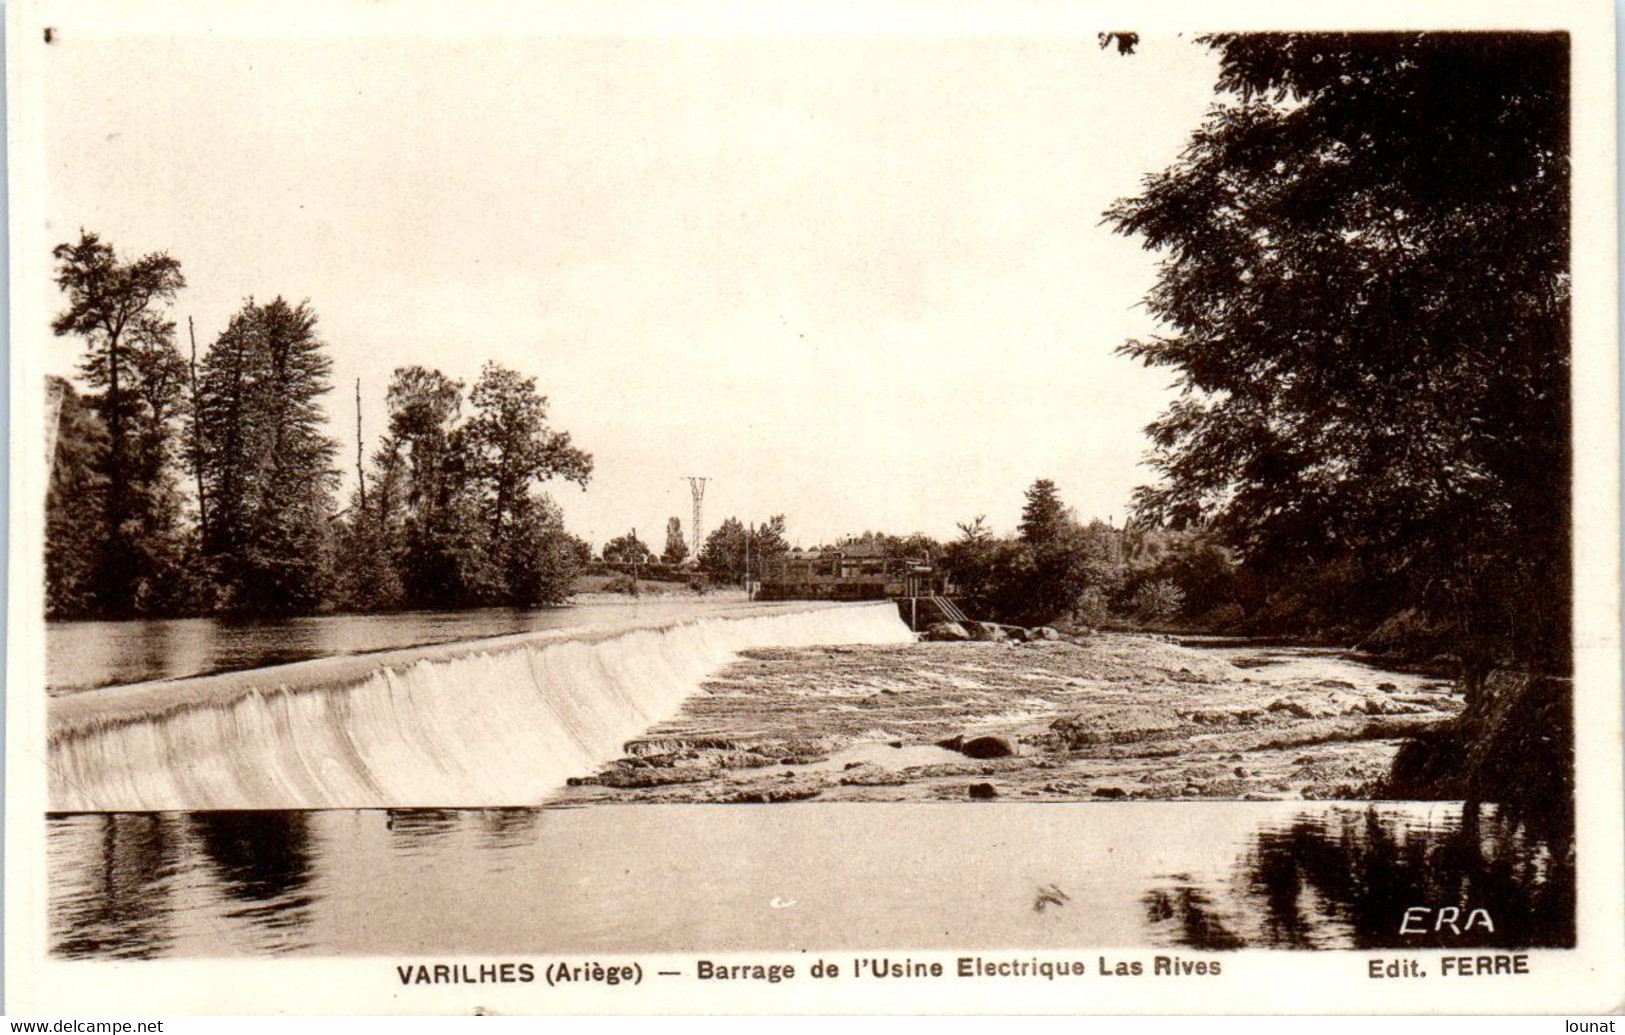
[502,722]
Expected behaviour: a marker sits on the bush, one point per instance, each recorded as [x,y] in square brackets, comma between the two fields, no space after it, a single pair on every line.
[1224,617]
[622,584]
[1158,600]
[1091,608]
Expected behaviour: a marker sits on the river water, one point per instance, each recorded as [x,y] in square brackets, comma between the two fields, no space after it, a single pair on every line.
[1209,875]
[87,655]
[1203,875]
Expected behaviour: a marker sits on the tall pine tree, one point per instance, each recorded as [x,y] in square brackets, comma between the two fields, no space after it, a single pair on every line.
[267,462]
[1044,516]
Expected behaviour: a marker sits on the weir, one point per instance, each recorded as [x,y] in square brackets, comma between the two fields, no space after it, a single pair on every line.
[498,722]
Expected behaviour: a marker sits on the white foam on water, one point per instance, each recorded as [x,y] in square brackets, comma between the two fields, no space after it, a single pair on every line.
[503,726]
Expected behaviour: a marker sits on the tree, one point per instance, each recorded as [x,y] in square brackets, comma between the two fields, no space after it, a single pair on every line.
[1045,574]
[1190,561]
[267,463]
[911,547]
[371,542]
[134,372]
[540,560]
[767,544]
[1158,600]
[508,451]
[968,560]
[510,444]
[728,546]
[1035,583]
[724,552]
[1365,287]
[577,549]
[627,549]
[428,518]
[73,505]
[454,515]
[1043,518]
[676,551]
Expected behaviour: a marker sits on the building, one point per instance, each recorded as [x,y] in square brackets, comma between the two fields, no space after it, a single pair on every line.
[855,570]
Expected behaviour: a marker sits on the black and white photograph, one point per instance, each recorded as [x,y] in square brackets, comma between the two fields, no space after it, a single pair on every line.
[1100,513]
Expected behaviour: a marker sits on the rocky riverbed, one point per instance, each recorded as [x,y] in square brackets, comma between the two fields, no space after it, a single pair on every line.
[1110,716]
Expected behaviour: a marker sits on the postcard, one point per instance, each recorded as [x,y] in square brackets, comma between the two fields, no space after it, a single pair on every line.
[741,508]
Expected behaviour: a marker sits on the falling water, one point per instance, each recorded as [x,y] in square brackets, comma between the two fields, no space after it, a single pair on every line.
[499,723]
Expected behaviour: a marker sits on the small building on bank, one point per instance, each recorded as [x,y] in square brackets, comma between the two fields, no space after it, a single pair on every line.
[857,570]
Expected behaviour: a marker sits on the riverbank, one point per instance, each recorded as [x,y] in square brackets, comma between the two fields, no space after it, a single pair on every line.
[1112,716]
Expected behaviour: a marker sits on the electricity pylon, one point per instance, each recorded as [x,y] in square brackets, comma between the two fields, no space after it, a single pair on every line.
[697,487]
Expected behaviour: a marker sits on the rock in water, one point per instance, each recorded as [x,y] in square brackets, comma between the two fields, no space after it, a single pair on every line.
[1044,632]
[986,632]
[992,745]
[985,745]
[946,632]
[983,790]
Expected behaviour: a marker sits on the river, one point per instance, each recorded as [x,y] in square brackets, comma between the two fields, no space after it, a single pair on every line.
[649,878]
[626,878]
[88,655]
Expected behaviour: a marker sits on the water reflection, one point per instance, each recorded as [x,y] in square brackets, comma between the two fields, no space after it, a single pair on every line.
[507,828]
[258,642]
[1350,876]
[118,904]
[263,864]
[85,655]
[1191,912]
[414,831]
[1209,875]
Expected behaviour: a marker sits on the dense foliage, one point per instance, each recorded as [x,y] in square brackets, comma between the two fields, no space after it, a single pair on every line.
[728,547]
[1058,569]
[135,378]
[265,462]
[75,505]
[450,512]
[628,549]
[1365,283]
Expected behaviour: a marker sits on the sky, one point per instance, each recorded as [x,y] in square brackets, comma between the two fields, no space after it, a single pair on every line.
[861,281]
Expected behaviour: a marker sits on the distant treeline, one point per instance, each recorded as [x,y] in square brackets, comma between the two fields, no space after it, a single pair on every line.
[208,484]
[723,558]
[1056,568]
